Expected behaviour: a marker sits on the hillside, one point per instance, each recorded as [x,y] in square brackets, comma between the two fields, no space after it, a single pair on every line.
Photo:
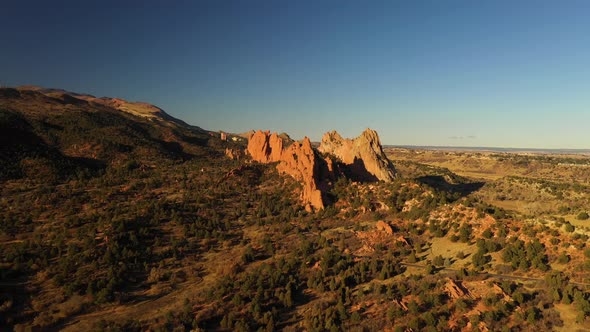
[116,217]
[63,133]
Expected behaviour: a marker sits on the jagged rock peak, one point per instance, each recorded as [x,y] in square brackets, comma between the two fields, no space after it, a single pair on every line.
[259,147]
[301,162]
[298,160]
[364,154]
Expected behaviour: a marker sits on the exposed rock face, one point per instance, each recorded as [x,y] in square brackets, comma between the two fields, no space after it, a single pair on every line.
[276,147]
[498,290]
[364,155]
[362,159]
[384,227]
[299,160]
[456,290]
[259,147]
[265,147]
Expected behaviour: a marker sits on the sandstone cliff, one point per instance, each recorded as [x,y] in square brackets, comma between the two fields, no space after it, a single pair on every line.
[299,160]
[363,155]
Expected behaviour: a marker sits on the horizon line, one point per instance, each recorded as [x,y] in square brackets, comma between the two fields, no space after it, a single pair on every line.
[489,148]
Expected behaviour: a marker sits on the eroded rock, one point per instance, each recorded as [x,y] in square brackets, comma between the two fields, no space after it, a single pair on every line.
[456,290]
[298,160]
[363,155]
[384,227]
[362,159]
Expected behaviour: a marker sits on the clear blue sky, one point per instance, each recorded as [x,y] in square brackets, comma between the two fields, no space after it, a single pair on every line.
[466,73]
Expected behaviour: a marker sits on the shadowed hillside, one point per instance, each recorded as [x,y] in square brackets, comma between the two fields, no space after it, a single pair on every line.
[66,134]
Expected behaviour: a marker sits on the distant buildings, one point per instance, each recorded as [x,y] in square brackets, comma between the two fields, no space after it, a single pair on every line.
[224,137]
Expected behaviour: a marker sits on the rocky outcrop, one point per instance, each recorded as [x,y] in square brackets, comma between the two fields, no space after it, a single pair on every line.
[498,290]
[384,227]
[362,159]
[456,290]
[235,154]
[301,162]
[265,147]
[276,147]
[363,155]
[298,160]
[259,147]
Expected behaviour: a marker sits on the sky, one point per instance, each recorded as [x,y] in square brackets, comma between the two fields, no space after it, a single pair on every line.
[449,73]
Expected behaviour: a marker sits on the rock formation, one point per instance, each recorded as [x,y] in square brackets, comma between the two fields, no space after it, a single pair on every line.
[299,160]
[456,290]
[265,147]
[363,155]
[258,147]
[384,227]
[362,159]
[498,290]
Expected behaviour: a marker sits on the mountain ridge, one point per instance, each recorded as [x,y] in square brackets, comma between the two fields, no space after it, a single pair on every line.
[138,108]
[50,128]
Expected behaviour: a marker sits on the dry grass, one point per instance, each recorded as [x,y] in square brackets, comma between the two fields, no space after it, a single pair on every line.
[568,314]
[447,248]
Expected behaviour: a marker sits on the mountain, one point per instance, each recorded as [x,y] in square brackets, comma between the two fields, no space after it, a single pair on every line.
[141,109]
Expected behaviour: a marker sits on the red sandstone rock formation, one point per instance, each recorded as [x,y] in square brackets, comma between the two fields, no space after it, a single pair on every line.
[299,160]
[456,290]
[384,227]
[276,147]
[364,155]
[259,147]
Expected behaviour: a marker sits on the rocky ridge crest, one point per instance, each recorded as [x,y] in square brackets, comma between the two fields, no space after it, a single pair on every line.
[363,155]
[362,159]
[299,160]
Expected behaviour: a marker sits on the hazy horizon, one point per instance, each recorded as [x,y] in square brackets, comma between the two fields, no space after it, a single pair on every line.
[422,73]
